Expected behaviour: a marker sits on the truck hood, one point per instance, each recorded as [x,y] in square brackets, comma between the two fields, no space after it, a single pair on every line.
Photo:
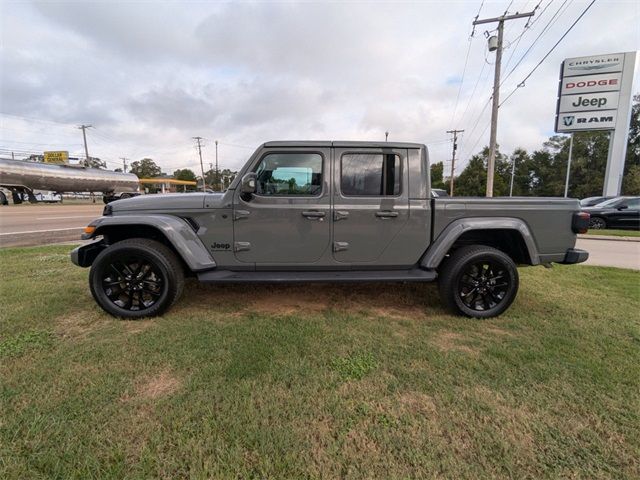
[168,201]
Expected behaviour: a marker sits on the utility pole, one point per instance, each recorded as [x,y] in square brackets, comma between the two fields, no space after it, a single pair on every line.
[84,137]
[124,164]
[217,169]
[199,145]
[496,88]
[453,157]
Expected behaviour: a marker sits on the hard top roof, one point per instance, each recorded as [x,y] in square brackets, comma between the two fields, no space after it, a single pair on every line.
[342,144]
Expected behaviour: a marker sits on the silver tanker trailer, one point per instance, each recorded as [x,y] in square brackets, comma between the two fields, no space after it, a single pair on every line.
[21,177]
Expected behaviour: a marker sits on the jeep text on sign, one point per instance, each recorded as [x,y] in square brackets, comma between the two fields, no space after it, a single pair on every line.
[589,101]
[606,82]
[571,122]
[593,65]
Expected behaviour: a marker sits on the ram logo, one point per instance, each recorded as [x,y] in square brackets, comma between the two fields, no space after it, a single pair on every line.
[568,121]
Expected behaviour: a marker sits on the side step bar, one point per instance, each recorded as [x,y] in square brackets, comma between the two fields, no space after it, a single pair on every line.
[229,276]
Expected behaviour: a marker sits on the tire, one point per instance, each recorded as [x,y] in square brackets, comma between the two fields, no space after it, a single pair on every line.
[478,281]
[155,268]
[3,199]
[597,223]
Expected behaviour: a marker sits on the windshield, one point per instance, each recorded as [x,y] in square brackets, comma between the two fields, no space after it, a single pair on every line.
[610,203]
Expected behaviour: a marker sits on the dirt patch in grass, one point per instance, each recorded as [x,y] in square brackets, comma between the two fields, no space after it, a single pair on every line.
[154,387]
[416,403]
[76,325]
[376,299]
[451,341]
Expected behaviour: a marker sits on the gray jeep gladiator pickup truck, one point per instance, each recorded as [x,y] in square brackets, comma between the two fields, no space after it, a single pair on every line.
[326,212]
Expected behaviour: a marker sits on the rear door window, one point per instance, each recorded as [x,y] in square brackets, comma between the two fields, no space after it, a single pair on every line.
[370,175]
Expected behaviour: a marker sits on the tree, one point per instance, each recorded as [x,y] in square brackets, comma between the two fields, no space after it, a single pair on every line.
[631,181]
[186,174]
[472,182]
[145,168]
[221,181]
[437,180]
[94,162]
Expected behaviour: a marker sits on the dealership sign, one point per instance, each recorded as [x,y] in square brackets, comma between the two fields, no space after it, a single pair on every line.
[570,122]
[594,93]
[589,92]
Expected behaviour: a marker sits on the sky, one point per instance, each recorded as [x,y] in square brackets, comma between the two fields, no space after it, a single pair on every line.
[150,75]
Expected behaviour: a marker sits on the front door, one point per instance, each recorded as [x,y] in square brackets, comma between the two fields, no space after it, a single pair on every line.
[371,202]
[287,220]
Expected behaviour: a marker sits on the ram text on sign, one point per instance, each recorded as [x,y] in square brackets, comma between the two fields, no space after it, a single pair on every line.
[606,82]
[593,65]
[589,101]
[56,157]
[571,122]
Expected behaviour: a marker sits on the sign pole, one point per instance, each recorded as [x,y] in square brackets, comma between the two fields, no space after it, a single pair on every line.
[618,139]
[566,182]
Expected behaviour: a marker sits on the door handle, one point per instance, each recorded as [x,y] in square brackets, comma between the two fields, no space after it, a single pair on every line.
[340,215]
[386,214]
[313,214]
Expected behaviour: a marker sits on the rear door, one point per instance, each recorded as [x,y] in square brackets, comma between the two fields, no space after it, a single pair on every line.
[370,201]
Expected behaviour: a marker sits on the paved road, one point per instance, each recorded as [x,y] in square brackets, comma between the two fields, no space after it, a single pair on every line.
[611,253]
[25,224]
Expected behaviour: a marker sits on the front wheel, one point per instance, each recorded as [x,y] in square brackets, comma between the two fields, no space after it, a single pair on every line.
[478,281]
[136,278]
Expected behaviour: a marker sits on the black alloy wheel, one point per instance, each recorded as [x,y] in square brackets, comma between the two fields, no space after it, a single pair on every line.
[136,278]
[478,281]
[597,223]
[483,285]
[133,283]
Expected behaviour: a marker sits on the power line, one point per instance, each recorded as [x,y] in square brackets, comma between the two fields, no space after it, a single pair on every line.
[464,70]
[551,21]
[522,83]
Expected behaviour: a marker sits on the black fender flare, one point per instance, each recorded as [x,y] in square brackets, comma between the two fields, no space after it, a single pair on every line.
[441,245]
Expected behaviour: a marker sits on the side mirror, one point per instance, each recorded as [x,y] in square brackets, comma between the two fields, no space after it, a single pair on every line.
[623,207]
[248,184]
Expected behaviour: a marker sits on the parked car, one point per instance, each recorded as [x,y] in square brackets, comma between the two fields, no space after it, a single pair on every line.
[326,212]
[438,193]
[619,212]
[592,201]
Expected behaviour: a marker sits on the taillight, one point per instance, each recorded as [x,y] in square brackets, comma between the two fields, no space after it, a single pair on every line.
[580,222]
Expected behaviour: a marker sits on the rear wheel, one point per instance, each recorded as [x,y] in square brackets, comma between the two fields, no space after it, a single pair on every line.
[478,281]
[597,223]
[136,278]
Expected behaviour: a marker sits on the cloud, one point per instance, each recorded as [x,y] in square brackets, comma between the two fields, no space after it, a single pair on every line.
[150,75]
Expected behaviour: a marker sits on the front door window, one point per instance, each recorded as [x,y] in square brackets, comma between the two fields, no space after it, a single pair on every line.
[285,174]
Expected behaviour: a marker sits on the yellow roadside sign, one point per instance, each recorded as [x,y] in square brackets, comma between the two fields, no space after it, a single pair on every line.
[56,157]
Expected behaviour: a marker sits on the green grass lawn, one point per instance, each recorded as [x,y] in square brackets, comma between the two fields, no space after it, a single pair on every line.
[615,233]
[355,381]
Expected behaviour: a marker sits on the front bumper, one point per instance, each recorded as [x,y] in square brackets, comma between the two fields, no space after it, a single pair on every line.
[84,255]
[575,255]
